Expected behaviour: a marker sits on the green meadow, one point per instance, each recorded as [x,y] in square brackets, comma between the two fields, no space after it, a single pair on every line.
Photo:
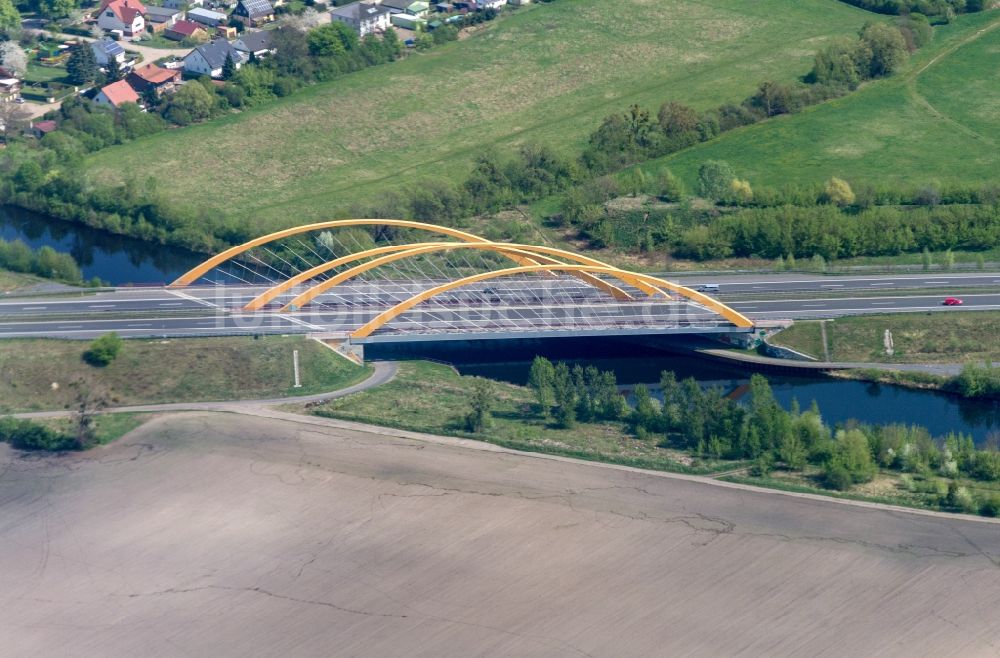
[547,74]
[936,122]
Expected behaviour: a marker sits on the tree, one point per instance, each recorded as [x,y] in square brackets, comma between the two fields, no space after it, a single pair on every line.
[481,404]
[189,104]
[540,380]
[89,404]
[55,9]
[13,58]
[740,191]
[391,43]
[81,69]
[103,350]
[114,70]
[714,179]
[10,19]
[678,121]
[228,67]
[331,40]
[887,46]
[13,118]
[838,192]
[851,456]
[423,41]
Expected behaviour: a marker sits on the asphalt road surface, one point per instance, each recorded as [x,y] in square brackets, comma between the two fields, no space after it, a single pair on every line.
[224,535]
[556,305]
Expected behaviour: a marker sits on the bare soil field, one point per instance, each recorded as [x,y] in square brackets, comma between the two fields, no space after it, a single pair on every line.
[224,535]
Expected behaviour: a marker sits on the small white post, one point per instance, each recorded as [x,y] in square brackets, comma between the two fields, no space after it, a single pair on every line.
[295,366]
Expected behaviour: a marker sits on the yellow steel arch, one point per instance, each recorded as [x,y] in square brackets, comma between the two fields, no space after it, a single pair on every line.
[511,249]
[195,273]
[386,316]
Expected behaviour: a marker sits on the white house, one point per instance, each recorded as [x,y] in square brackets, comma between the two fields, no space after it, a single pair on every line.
[106,50]
[206,17]
[211,57]
[491,4]
[123,15]
[365,17]
[181,4]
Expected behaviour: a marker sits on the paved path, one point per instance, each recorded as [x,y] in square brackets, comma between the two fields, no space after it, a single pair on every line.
[384,372]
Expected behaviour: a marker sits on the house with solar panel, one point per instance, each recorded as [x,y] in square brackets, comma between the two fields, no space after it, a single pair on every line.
[254,12]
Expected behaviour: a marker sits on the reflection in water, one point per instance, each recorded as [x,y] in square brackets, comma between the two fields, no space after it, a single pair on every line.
[115,259]
[838,400]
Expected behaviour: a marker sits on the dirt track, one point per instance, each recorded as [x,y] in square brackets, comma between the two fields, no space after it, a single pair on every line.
[217,534]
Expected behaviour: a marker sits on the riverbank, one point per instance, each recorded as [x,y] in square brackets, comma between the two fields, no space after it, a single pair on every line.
[432,398]
[952,337]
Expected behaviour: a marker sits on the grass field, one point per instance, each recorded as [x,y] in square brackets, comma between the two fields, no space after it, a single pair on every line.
[547,74]
[43,374]
[428,397]
[937,122]
[107,427]
[10,281]
[947,338]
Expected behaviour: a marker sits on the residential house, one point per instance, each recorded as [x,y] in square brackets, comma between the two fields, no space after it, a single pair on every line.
[154,77]
[491,4]
[160,19]
[10,88]
[116,93]
[185,29]
[408,22]
[227,32]
[209,59]
[181,4]
[206,17]
[365,17]
[444,7]
[259,44]
[254,12]
[125,16]
[107,50]
[42,128]
[414,8]
[518,3]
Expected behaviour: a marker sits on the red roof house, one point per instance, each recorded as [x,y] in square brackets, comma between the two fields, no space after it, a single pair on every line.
[117,93]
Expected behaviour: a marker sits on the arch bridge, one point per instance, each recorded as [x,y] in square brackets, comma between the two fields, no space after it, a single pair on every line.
[373,280]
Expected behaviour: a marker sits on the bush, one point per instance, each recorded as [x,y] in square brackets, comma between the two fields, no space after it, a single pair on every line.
[103,350]
[28,435]
[836,477]
[990,506]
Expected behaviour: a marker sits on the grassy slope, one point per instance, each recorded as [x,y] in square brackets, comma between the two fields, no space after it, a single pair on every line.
[428,397]
[167,371]
[948,338]
[939,121]
[547,74]
[10,281]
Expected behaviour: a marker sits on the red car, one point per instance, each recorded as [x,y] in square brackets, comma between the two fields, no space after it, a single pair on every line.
[952,301]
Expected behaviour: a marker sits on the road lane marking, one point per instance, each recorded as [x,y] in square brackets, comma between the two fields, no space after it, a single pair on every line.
[101,306]
[832,285]
[813,305]
[171,304]
[193,299]
[139,325]
[881,284]
[68,326]
[33,308]
[937,282]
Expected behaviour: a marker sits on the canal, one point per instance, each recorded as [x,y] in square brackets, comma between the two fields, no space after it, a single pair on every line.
[123,261]
[114,259]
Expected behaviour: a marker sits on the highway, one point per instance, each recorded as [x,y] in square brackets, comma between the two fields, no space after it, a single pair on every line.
[553,304]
